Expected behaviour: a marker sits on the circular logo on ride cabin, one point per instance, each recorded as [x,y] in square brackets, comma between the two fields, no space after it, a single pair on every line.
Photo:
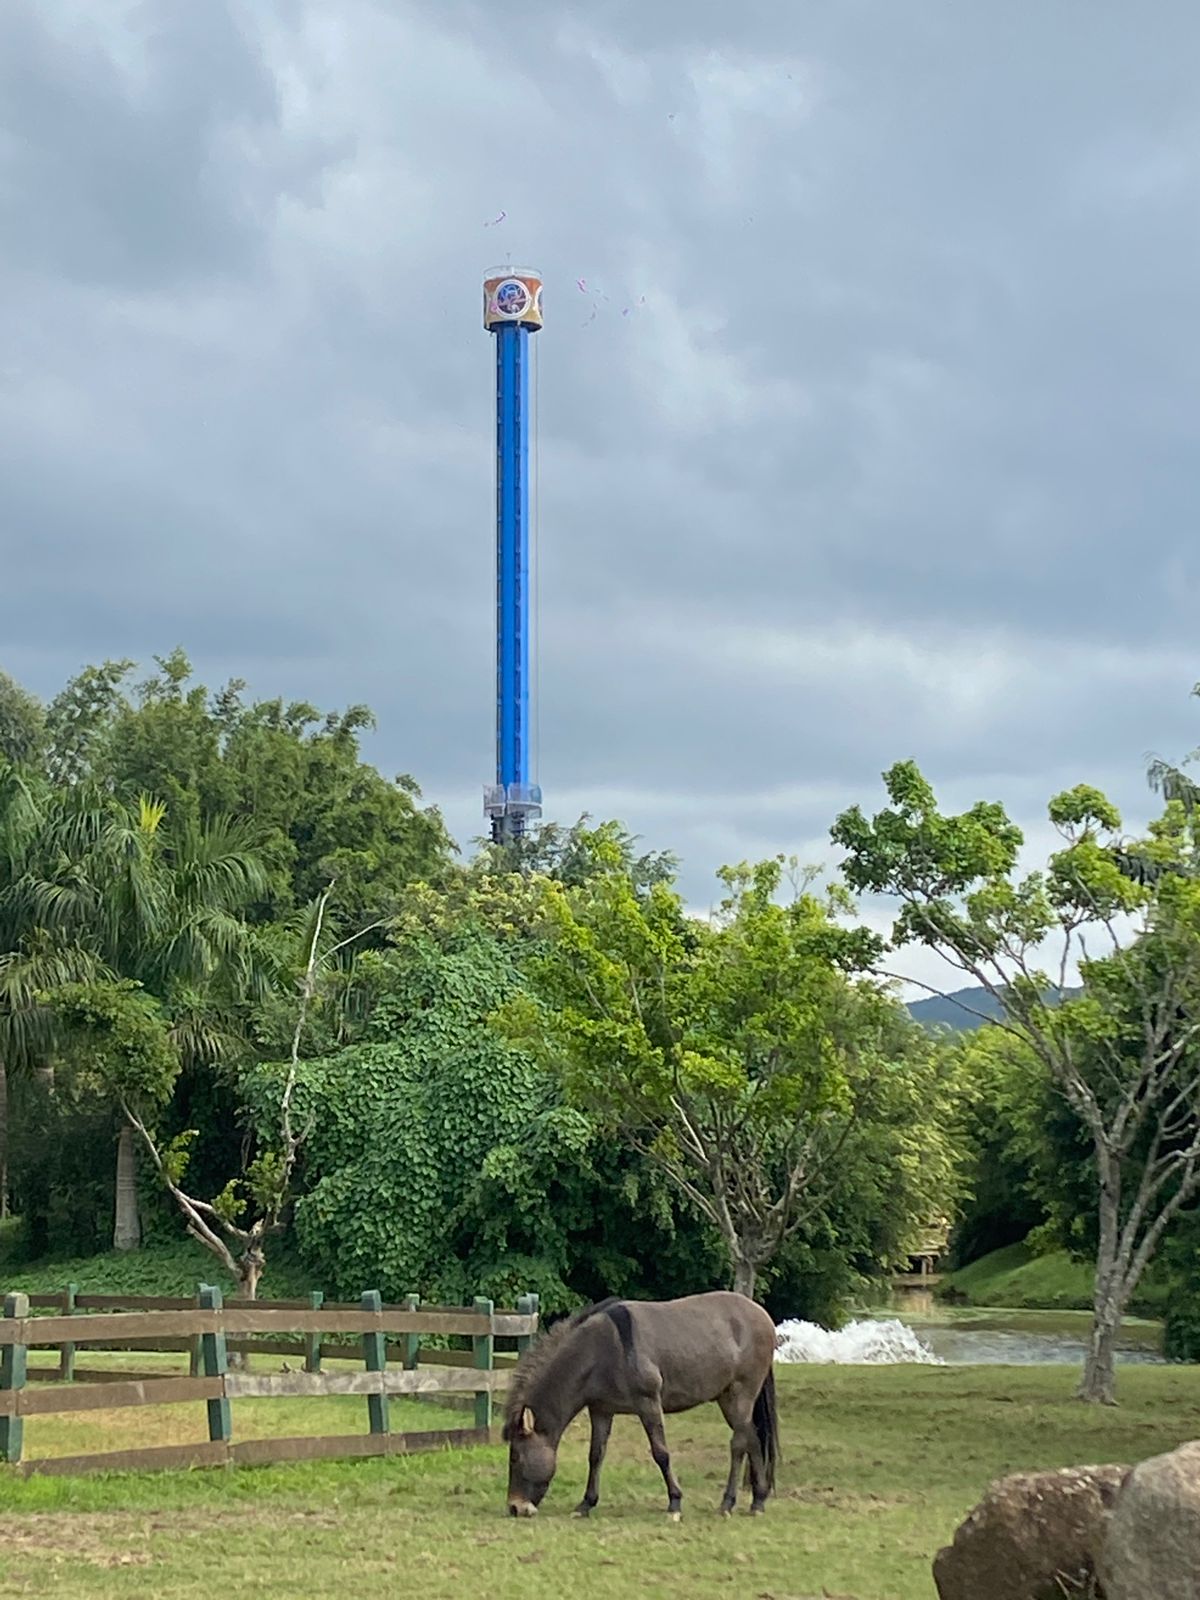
[512,298]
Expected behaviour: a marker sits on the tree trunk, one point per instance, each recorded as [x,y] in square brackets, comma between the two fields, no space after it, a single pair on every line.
[250,1270]
[250,1266]
[1098,1385]
[745,1275]
[127,1224]
[3,1140]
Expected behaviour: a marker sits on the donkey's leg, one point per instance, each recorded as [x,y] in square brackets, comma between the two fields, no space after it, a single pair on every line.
[650,1414]
[737,1407]
[601,1428]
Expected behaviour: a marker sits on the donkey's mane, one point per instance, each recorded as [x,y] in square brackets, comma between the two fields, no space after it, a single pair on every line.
[538,1357]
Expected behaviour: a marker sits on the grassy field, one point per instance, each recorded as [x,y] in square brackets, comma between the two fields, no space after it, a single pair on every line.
[1018,1279]
[880,1465]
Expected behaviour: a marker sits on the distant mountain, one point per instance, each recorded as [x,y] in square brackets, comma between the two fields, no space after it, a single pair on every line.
[960,1011]
[957,1010]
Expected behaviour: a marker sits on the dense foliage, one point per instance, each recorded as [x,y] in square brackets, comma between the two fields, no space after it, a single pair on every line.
[1123,1054]
[171,840]
[247,989]
[443,1159]
[748,1058]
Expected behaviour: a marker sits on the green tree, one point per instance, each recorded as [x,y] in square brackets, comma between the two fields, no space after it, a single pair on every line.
[78,718]
[111,891]
[740,1057]
[575,855]
[319,811]
[22,725]
[1007,1102]
[116,1036]
[30,959]
[1124,1055]
[1173,780]
[118,1041]
[15,818]
[237,1222]
[443,1159]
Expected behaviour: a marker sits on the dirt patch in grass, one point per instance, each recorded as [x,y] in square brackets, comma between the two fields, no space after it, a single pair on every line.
[113,1541]
[834,1499]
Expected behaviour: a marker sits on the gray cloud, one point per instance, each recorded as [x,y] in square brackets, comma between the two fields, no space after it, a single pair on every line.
[894,453]
[124,149]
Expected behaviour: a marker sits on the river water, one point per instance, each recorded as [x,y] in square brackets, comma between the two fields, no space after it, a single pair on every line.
[916,1328]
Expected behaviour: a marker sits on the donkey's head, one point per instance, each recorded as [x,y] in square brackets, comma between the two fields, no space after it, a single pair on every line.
[532,1460]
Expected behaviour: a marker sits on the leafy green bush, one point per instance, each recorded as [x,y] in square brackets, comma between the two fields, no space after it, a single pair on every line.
[441,1160]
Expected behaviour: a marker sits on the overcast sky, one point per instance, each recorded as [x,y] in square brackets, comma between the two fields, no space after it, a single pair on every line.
[895,453]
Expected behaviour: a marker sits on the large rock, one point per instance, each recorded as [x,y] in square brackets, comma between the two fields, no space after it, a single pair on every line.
[1031,1537]
[1151,1546]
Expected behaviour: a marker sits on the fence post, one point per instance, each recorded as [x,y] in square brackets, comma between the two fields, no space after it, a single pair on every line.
[66,1354]
[485,1348]
[214,1360]
[527,1305]
[412,1341]
[312,1353]
[375,1360]
[12,1379]
[196,1358]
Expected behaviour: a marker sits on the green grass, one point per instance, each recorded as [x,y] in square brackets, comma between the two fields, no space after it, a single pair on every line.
[173,1268]
[1015,1277]
[1020,1280]
[880,1464]
[137,1427]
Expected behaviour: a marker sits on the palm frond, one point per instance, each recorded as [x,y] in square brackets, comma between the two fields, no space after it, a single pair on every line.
[1173,783]
[27,1030]
[19,818]
[201,1034]
[150,814]
[217,863]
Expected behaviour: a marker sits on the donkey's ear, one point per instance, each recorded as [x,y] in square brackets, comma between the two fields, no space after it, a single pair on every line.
[525,1424]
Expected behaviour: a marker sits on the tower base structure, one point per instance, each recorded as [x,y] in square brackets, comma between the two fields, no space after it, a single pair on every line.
[511,809]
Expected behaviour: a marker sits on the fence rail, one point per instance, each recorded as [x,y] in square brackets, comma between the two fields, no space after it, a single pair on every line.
[202,1327]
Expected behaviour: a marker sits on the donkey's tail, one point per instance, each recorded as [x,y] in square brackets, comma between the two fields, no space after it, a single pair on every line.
[766,1426]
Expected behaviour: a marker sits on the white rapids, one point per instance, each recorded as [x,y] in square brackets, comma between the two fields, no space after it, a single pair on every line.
[865,1343]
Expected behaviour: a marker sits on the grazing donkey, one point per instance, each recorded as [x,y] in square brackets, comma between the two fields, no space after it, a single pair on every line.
[645,1359]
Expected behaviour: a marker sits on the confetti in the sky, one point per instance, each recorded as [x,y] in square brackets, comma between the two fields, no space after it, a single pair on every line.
[598,294]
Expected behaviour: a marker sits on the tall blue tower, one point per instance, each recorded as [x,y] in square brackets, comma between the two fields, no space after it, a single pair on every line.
[512,312]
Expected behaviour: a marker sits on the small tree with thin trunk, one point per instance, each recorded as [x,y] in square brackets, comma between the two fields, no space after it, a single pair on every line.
[222,1225]
[1125,1054]
[736,1055]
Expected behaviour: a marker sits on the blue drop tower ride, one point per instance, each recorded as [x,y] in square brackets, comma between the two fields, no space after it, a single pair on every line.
[512,312]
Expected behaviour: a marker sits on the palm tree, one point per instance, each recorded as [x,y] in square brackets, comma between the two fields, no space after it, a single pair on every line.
[131,897]
[19,819]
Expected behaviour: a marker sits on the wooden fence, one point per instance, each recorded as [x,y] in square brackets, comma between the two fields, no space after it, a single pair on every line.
[209,1330]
